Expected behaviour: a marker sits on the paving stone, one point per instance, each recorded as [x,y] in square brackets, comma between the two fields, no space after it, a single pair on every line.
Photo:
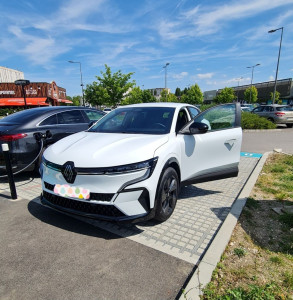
[200,211]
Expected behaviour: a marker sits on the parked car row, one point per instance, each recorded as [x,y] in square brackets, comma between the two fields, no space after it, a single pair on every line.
[19,131]
[278,114]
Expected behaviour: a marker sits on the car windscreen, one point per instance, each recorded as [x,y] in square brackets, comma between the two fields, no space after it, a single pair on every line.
[136,120]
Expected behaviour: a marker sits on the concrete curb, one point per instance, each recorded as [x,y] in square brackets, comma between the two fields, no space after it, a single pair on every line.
[208,263]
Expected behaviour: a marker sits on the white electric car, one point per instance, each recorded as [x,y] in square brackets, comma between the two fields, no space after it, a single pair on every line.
[131,163]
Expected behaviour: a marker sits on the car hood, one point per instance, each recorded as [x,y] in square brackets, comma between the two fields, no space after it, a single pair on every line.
[93,149]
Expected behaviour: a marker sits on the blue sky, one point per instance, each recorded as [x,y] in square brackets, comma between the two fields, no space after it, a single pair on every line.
[206,42]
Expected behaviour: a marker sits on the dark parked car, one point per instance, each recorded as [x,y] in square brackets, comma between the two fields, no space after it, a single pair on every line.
[19,131]
[279,114]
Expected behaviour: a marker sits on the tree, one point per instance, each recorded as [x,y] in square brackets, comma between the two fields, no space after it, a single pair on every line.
[193,95]
[250,95]
[226,95]
[177,92]
[148,97]
[165,97]
[76,100]
[109,89]
[136,95]
[277,97]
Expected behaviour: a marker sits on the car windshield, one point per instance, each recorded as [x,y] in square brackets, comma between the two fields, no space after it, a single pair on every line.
[136,120]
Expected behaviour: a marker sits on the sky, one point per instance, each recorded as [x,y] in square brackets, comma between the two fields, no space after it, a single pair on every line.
[210,43]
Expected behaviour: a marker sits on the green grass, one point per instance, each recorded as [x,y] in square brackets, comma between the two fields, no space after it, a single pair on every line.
[251,203]
[240,252]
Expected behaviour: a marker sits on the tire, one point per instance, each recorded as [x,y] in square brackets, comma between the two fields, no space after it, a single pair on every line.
[289,125]
[167,195]
[272,120]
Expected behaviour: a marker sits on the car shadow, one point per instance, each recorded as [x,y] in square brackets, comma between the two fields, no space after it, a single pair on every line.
[194,191]
[65,222]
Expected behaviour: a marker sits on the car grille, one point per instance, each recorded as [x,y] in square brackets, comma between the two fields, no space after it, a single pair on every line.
[93,196]
[84,207]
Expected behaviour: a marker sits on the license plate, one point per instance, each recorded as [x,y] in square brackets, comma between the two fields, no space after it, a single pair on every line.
[77,192]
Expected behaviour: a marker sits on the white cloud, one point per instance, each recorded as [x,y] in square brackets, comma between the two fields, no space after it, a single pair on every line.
[180,76]
[271,78]
[206,20]
[205,76]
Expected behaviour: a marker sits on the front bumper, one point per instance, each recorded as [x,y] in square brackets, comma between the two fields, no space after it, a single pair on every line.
[110,197]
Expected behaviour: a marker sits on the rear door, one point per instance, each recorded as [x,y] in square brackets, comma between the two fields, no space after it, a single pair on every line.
[214,154]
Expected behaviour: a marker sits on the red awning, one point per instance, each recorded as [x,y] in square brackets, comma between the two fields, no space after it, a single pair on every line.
[65,101]
[20,101]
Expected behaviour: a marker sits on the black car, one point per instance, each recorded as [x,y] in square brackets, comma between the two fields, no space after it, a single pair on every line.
[22,131]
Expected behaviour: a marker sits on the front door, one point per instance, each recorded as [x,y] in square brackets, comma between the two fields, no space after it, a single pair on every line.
[214,154]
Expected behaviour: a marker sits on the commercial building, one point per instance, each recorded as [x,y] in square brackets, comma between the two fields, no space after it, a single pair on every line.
[264,89]
[10,75]
[36,94]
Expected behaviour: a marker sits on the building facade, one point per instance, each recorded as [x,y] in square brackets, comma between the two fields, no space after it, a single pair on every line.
[264,89]
[10,75]
[156,92]
[36,94]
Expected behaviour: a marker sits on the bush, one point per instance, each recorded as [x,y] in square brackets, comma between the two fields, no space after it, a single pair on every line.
[252,121]
[8,111]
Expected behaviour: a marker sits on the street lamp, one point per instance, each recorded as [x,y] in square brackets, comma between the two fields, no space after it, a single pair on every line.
[252,67]
[238,86]
[23,83]
[165,67]
[81,83]
[275,86]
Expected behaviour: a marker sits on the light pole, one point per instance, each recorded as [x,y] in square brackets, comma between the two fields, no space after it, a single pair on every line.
[275,86]
[81,83]
[252,67]
[238,86]
[165,67]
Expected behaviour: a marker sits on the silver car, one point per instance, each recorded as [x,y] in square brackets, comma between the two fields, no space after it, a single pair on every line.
[278,114]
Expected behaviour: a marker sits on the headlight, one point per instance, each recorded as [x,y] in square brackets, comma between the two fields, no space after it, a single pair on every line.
[143,165]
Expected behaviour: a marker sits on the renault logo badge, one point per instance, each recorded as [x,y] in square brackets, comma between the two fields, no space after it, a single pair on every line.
[69,172]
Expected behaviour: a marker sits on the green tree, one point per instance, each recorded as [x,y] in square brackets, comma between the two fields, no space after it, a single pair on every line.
[277,97]
[165,97]
[133,97]
[193,95]
[109,89]
[250,95]
[148,97]
[177,92]
[136,95]
[226,95]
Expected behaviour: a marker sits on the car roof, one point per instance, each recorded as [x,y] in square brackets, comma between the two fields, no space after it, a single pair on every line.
[159,104]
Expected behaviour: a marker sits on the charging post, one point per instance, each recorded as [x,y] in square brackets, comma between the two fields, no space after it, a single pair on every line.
[5,150]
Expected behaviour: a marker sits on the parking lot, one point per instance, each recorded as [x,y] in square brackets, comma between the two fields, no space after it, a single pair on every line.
[50,255]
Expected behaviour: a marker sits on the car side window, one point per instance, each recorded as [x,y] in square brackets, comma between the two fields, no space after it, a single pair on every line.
[218,118]
[192,111]
[52,120]
[258,109]
[93,115]
[70,117]
[181,120]
[267,108]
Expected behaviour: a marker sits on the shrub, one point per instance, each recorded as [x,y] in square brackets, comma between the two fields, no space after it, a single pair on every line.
[252,121]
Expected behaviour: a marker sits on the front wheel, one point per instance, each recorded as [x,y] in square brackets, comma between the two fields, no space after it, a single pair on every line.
[167,194]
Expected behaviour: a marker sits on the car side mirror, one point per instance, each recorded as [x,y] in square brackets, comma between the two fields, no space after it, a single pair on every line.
[198,128]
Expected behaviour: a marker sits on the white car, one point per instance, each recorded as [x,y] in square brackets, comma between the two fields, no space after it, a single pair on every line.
[131,163]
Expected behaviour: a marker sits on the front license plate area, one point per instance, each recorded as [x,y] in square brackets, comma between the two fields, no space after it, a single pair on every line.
[68,191]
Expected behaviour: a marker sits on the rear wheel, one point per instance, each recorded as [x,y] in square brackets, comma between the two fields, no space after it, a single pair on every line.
[289,125]
[271,119]
[167,194]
